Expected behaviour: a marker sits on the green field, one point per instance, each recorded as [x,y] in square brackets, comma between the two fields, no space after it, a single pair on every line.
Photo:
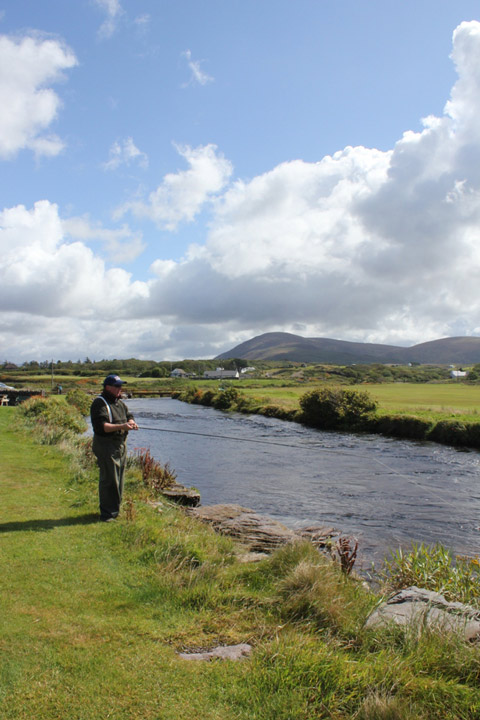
[436,400]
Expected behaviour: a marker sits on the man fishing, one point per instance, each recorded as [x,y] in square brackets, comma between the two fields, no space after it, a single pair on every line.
[111,422]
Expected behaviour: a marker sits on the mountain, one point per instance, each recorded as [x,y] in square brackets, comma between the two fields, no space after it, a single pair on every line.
[286,346]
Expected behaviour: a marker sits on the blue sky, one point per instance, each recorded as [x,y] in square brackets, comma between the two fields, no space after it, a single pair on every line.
[177,177]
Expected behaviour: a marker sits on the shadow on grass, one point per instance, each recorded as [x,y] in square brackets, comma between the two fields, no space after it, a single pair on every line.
[49,524]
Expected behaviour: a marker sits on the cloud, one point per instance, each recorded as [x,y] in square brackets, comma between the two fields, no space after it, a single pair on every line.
[44,275]
[383,246]
[142,22]
[125,153]
[121,245]
[197,74]
[27,66]
[181,196]
[114,11]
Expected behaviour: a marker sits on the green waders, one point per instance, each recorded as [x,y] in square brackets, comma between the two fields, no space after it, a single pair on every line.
[111,454]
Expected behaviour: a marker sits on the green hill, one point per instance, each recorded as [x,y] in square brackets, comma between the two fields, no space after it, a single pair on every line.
[287,346]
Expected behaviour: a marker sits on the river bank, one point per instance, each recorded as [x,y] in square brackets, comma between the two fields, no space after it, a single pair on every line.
[384,492]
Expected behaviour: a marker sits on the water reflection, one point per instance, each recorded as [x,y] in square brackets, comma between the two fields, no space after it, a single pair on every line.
[386,492]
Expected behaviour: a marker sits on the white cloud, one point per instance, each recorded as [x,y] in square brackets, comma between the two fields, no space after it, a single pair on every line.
[181,196]
[125,152]
[27,66]
[197,74]
[114,11]
[142,22]
[121,244]
[42,274]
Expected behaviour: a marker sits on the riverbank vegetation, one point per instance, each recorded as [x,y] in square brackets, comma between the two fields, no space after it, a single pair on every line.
[345,409]
[93,614]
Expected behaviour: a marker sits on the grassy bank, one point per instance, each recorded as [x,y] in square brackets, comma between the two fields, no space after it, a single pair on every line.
[93,614]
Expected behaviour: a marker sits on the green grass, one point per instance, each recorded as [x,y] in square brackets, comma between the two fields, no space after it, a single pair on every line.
[435,400]
[92,616]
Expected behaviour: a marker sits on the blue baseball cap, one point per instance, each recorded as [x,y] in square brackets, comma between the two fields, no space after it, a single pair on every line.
[114,380]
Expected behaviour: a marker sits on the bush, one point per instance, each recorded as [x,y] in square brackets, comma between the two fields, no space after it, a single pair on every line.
[53,418]
[402,426]
[80,400]
[225,398]
[207,397]
[449,432]
[330,408]
[473,435]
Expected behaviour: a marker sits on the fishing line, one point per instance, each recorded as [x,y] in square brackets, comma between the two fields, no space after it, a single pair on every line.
[286,445]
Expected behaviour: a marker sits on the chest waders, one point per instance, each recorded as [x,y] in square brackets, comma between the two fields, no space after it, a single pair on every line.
[111,454]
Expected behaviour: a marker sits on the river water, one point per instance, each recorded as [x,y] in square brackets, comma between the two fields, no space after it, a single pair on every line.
[385,492]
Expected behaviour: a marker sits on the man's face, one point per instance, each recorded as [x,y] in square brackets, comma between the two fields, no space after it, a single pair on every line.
[115,390]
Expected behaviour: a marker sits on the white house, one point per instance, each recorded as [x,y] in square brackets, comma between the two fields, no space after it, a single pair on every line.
[458,374]
[178,373]
[221,374]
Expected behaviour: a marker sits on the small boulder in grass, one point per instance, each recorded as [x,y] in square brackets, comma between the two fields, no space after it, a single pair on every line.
[424,608]
[231,652]
[182,495]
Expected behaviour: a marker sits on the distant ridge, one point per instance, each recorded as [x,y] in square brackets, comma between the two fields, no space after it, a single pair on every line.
[286,346]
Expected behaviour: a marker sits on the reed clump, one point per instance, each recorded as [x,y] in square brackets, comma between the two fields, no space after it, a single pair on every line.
[433,567]
[155,476]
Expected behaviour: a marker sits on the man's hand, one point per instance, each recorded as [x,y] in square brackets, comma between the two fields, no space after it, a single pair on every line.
[131,425]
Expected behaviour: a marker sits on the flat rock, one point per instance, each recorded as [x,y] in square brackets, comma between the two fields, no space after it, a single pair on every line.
[182,495]
[425,608]
[320,536]
[259,533]
[231,652]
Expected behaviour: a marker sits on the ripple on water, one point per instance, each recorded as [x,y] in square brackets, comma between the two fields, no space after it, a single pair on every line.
[387,492]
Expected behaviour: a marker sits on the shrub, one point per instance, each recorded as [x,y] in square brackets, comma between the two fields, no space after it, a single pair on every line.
[80,400]
[53,418]
[335,407]
[225,398]
[473,435]
[207,397]
[449,432]
[187,394]
[402,426]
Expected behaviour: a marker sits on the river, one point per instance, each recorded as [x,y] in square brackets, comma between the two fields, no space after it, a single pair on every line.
[383,491]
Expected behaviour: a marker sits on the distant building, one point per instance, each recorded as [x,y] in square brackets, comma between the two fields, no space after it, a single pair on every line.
[178,373]
[458,374]
[221,374]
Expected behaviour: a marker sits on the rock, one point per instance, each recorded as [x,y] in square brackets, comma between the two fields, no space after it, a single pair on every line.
[232,652]
[182,495]
[319,536]
[260,533]
[251,557]
[425,608]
